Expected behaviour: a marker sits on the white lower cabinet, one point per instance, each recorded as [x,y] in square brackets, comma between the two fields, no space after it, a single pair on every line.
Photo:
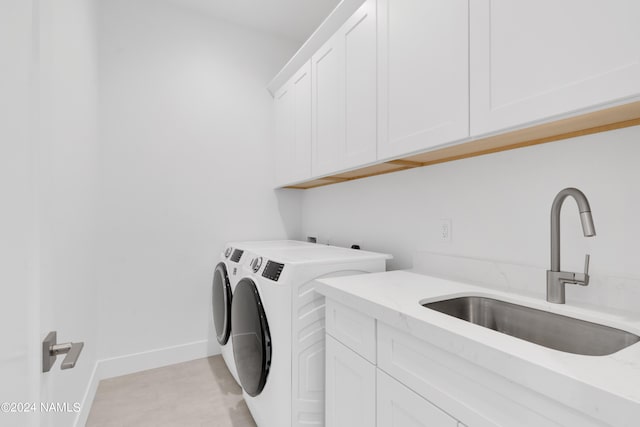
[399,406]
[380,376]
[350,388]
[357,393]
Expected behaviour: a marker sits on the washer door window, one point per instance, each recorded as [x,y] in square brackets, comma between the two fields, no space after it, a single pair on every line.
[251,338]
[221,303]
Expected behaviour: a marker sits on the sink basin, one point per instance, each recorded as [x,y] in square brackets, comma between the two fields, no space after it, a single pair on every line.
[540,327]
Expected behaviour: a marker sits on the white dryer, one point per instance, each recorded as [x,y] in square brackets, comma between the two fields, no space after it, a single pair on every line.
[225,278]
[278,329]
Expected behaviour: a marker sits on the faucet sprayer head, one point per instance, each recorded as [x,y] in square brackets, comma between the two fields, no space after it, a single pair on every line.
[588,229]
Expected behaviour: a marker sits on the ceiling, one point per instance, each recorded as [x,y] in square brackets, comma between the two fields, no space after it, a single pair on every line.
[294,19]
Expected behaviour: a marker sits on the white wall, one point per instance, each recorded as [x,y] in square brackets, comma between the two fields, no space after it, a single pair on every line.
[185,165]
[500,206]
[67,164]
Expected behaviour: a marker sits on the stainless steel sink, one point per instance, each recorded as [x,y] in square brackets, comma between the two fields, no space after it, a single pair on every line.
[540,327]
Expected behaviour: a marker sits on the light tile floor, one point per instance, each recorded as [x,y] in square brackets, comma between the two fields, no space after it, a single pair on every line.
[192,394]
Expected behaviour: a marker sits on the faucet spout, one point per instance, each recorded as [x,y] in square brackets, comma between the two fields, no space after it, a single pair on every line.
[588,229]
[556,279]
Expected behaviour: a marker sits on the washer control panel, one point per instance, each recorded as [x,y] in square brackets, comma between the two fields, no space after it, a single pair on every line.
[272,270]
[256,263]
[237,254]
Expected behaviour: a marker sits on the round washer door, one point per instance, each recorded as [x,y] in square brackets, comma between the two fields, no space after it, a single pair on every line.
[221,303]
[251,337]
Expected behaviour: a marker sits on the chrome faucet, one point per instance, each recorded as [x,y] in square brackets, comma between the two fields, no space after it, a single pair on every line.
[556,279]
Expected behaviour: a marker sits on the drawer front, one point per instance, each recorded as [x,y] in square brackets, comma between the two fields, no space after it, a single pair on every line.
[352,328]
[477,397]
[399,406]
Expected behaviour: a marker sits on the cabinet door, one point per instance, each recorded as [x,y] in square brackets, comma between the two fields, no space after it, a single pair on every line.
[285,133]
[344,96]
[398,406]
[301,160]
[328,107]
[350,388]
[293,128]
[423,74]
[360,85]
[534,60]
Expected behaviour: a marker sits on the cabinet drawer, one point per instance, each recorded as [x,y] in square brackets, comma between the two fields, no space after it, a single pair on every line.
[478,397]
[399,406]
[353,329]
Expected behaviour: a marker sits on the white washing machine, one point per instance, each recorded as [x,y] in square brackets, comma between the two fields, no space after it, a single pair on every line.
[278,329]
[225,278]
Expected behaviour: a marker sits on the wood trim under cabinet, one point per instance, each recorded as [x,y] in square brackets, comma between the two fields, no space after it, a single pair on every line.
[617,117]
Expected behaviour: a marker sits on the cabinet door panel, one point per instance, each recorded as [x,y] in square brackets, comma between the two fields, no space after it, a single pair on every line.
[423,74]
[328,108]
[344,96]
[293,128]
[359,34]
[534,60]
[301,161]
[285,133]
[398,406]
[350,388]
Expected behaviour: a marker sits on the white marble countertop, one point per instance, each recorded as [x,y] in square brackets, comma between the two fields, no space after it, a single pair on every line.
[604,387]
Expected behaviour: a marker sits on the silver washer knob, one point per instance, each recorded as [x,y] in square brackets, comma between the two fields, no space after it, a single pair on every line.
[256,264]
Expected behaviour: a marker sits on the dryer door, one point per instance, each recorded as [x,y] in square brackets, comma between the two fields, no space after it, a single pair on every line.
[221,303]
[251,337]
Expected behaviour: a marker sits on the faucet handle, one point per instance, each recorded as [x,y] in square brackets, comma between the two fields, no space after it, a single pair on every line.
[587,257]
[582,279]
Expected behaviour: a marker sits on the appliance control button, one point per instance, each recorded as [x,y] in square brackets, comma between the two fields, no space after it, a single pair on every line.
[256,264]
[227,252]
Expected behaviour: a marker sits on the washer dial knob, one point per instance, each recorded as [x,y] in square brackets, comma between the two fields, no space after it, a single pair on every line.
[227,252]
[256,264]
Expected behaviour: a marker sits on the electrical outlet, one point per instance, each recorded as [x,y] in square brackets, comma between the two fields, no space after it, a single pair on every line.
[444,230]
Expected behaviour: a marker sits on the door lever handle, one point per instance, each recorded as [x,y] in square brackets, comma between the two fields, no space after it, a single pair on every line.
[51,349]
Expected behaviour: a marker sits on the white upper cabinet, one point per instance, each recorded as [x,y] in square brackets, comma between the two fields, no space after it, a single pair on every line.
[344,96]
[531,60]
[359,41]
[400,77]
[285,132]
[328,107]
[293,128]
[423,74]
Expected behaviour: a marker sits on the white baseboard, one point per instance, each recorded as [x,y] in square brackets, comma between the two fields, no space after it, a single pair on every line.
[136,362]
[87,399]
